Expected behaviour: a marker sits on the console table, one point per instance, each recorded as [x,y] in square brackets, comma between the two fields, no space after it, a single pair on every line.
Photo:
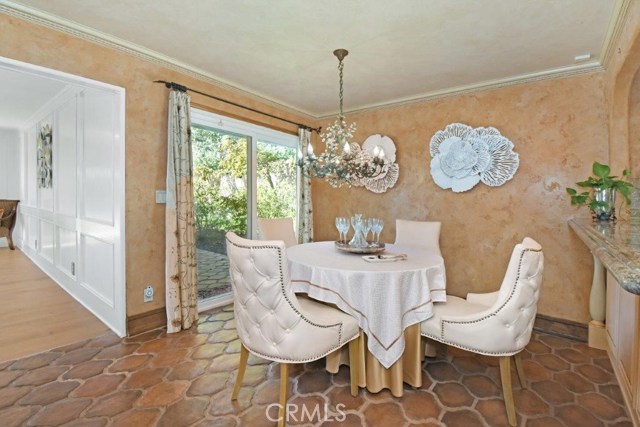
[614,302]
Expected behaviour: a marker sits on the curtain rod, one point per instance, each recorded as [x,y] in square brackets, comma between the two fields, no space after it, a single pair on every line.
[182,88]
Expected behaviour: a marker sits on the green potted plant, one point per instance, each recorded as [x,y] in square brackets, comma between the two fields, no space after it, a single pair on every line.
[602,197]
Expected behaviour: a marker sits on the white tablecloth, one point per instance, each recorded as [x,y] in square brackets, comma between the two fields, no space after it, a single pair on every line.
[386,297]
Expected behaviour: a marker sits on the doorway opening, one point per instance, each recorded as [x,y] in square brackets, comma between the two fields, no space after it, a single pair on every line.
[67,169]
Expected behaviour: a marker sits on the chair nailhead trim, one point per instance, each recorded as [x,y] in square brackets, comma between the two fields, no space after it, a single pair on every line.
[311,359]
[284,294]
[474,350]
[443,340]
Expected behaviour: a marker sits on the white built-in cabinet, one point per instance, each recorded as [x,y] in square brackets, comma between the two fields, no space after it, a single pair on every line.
[74,230]
[623,336]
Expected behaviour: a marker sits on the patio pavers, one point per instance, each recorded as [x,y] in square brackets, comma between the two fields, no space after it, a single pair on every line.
[213,274]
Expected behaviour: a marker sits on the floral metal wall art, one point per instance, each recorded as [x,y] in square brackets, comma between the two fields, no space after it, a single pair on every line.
[463,156]
[382,147]
[45,157]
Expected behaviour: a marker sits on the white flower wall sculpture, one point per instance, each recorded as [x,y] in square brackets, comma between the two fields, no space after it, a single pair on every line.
[389,176]
[463,156]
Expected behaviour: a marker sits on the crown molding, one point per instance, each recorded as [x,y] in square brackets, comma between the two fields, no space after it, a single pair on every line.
[556,73]
[616,25]
[98,37]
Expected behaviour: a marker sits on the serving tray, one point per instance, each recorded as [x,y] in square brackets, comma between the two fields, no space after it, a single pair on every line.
[371,248]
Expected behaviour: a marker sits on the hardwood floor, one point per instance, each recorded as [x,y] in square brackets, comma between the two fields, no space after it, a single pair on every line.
[36,314]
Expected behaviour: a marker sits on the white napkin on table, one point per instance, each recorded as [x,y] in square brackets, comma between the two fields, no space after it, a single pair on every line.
[388,257]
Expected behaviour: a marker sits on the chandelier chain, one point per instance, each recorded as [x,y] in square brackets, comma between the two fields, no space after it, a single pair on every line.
[341,93]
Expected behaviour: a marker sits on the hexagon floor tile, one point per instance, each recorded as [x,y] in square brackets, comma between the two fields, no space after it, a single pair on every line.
[185,379]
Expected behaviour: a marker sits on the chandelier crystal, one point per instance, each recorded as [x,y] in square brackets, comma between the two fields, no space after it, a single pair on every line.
[343,162]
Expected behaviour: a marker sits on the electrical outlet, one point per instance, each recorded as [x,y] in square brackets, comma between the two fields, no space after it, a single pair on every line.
[148,294]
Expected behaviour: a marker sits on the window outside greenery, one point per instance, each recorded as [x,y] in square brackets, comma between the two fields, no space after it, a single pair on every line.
[220,183]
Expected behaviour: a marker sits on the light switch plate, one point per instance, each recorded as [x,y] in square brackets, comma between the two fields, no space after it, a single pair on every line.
[161,196]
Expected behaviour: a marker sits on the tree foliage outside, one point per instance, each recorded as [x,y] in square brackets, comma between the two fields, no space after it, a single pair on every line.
[220,181]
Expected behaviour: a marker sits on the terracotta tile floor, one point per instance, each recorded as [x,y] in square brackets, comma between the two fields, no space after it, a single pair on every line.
[186,379]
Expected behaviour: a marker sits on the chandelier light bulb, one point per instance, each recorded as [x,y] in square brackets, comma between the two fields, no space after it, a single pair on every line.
[381,153]
[376,151]
[310,150]
[347,148]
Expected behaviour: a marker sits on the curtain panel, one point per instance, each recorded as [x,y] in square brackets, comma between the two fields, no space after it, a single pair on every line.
[181,268]
[305,210]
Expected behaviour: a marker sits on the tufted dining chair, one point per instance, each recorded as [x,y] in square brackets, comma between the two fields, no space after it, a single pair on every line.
[273,323]
[418,233]
[498,323]
[278,229]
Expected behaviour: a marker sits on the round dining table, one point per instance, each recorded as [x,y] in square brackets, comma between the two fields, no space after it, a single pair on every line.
[389,296]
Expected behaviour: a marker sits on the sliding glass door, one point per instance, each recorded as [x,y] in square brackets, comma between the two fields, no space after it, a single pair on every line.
[220,202]
[241,172]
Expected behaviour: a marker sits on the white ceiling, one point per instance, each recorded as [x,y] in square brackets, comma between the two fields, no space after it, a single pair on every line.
[22,95]
[399,50]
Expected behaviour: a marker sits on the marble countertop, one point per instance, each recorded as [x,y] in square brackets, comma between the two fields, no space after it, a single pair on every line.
[617,245]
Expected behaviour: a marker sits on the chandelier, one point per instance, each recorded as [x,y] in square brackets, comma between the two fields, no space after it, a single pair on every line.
[343,162]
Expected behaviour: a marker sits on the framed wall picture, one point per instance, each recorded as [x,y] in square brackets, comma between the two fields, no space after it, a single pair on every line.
[45,157]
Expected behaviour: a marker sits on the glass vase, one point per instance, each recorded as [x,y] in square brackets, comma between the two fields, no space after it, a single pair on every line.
[608,212]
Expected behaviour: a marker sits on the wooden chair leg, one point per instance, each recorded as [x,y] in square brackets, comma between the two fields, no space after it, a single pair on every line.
[284,385]
[354,365]
[518,362]
[244,355]
[10,241]
[505,377]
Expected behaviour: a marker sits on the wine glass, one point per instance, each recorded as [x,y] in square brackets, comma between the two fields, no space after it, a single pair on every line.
[379,227]
[372,224]
[344,223]
[368,226]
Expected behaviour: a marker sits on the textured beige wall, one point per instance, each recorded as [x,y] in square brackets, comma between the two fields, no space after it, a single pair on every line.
[558,128]
[146,129]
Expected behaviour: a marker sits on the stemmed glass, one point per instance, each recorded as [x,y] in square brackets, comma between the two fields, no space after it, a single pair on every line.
[368,226]
[345,227]
[377,226]
[342,224]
